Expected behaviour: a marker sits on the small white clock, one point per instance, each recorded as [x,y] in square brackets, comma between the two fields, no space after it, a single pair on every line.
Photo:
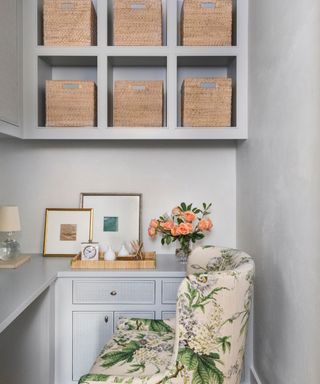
[89,251]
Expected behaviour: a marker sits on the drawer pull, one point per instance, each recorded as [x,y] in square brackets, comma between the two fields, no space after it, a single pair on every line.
[106,319]
[113,293]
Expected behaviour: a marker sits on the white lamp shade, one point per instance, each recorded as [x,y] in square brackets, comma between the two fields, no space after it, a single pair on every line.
[9,219]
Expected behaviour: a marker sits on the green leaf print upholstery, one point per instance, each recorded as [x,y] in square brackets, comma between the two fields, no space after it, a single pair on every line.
[203,345]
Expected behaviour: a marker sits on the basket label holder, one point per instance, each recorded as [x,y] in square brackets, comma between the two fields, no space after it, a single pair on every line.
[71,86]
[138,6]
[67,6]
[208,5]
[138,87]
[207,85]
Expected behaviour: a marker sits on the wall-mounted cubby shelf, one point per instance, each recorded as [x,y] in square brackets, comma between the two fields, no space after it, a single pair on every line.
[105,63]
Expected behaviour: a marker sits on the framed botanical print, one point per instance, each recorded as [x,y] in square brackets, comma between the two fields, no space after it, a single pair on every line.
[65,230]
[117,217]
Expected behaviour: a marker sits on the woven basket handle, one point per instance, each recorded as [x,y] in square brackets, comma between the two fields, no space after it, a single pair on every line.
[208,86]
[138,6]
[208,5]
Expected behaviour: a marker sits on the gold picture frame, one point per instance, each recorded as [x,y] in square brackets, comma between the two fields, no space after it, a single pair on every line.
[65,229]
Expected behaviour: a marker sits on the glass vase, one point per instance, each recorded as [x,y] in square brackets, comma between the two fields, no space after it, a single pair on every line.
[183,253]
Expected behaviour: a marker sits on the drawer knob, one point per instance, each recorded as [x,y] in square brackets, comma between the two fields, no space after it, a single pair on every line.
[113,293]
[106,319]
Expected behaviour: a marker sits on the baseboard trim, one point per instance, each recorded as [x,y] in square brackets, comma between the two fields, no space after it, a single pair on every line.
[254,379]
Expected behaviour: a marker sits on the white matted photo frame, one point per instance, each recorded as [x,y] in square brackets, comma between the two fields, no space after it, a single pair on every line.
[117,217]
[65,229]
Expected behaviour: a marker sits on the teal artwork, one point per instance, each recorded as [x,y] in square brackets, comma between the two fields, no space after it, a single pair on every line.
[110,224]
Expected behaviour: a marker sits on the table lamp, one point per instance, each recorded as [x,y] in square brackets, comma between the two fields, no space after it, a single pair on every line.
[9,223]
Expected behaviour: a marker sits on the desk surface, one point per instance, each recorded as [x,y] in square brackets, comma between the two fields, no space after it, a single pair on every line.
[20,287]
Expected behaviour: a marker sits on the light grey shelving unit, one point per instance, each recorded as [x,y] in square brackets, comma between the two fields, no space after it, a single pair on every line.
[105,63]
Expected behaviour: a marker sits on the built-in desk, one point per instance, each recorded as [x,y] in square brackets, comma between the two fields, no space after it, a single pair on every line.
[54,320]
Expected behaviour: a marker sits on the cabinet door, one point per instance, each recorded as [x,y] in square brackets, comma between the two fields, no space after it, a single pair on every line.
[9,61]
[91,331]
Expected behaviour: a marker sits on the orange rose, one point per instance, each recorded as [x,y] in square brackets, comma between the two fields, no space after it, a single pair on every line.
[167,225]
[189,216]
[210,224]
[152,231]
[176,211]
[205,225]
[154,223]
[184,229]
[174,231]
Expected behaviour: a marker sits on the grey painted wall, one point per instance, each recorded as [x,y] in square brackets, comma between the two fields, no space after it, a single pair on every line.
[278,188]
[38,175]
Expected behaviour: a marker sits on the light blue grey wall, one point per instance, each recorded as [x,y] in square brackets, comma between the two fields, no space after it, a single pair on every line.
[38,175]
[278,188]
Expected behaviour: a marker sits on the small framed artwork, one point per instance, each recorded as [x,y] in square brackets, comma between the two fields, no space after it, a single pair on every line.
[117,217]
[65,230]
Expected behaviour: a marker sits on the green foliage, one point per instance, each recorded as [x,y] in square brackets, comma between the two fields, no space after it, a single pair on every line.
[93,377]
[203,366]
[137,368]
[197,299]
[183,207]
[125,355]
[225,343]
[157,325]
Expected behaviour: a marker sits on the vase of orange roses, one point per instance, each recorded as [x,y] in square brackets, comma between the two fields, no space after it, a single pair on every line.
[186,224]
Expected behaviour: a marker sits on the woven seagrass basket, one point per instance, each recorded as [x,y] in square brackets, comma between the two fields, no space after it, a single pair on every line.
[69,22]
[70,103]
[137,22]
[206,102]
[206,22]
[138,103]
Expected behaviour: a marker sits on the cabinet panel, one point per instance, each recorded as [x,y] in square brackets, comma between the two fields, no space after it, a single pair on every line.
[91,331]
[131,315]
[170,290]
[9,62]
[113,292]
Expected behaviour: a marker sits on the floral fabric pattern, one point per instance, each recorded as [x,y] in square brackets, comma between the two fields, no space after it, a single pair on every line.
[204,345]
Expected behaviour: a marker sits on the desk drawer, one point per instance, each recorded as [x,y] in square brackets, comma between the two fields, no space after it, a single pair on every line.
[113,291]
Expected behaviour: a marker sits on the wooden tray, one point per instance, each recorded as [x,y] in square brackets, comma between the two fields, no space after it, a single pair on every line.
[14,263]
[149,262]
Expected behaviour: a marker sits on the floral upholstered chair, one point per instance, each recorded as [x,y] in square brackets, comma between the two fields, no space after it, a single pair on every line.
[206,342]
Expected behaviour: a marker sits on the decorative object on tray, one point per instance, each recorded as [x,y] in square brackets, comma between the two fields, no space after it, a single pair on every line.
[137,22]
[148,262]
[123,251]
[109,254]
[117,217]
[9,224]
[69,23]
[137,248]
[206,102]
[206,23]
[65,230]
[71,103]
[186,224]
[138,103]
[89,251]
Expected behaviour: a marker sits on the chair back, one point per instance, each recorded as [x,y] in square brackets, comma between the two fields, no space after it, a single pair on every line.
[213,310]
